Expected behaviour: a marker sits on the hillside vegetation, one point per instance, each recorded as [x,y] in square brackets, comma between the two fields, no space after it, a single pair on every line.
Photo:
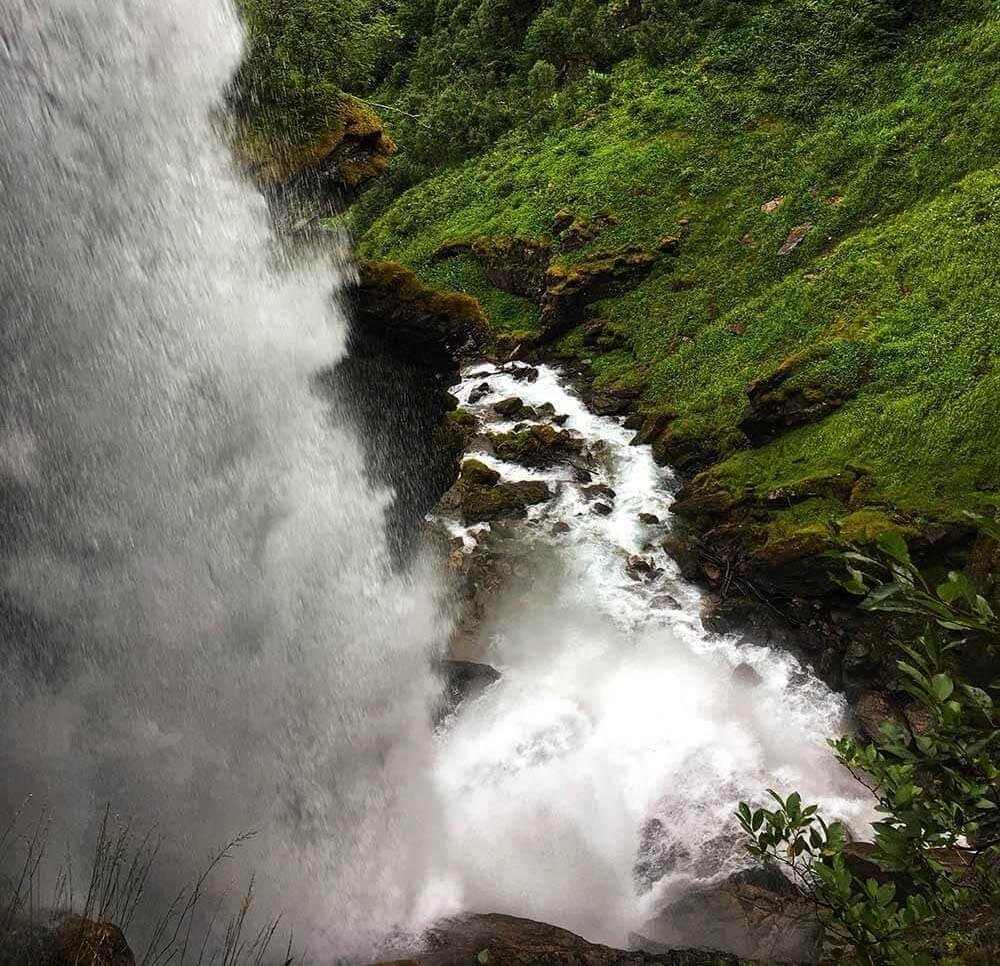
[872,127]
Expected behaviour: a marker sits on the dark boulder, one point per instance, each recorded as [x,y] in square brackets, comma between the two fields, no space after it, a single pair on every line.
[756,914]
[481,504]
[462,681]
[537,446]
[478,474]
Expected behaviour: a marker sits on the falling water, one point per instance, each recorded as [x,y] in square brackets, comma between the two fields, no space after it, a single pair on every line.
[200,623]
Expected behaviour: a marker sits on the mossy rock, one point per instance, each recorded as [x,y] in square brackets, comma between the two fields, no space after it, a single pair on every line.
[350,149]
[537,446]
[865,526]
[484,503]
[570,289]
[479,474]
[411,320]
[516,265]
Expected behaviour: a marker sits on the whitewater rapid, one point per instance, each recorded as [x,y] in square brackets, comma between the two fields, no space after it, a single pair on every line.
[597,780]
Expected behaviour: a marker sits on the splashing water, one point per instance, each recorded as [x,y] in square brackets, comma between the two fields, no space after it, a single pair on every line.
[200,623]
[599,777]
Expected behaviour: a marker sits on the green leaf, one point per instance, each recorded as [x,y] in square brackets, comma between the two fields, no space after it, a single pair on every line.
[943,686]
[484,956]
[892,543]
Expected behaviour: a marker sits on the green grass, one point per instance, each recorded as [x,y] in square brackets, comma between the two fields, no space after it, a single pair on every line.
[894,292]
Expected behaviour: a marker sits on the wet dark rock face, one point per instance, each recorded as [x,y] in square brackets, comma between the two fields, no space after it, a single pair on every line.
[406,345]
[510,941]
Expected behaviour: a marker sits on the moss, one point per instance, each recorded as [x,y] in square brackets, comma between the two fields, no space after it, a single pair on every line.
[866,526]
[350,140]
[479,474]
[536,446]
[496,501]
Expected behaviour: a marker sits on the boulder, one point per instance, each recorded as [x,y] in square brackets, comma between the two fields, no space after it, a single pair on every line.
[756,914]
[601,509]
[479,474]
[510,941]
[462,681]
[873,711]
[537,446]
[509,407]
[82,942]
[481,504]
[747,675]
[596,490]
[649,519]
[316,175]
[779,402]
[652,424]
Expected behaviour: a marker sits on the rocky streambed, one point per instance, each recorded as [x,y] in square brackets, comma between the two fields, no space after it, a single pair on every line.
[590,777]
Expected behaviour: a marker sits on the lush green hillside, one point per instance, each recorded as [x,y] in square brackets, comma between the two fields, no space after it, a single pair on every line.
[891,152]
[876,124]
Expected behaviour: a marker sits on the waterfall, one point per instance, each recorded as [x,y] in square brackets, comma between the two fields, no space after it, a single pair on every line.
[201,624]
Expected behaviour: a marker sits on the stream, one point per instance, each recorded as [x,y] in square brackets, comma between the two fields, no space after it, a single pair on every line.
[597,779]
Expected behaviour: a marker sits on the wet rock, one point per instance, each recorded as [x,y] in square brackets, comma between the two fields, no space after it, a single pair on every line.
[397,314]
[525,374]
[755,914]
[545,411]
[515,265]
[483,389]
[634,421]
[537,446]
[561,527]
[509,407]
[569,289]
[315,179]
[652,425]
[685,447]
[601,509]
[747,675]
[479,474]
[641,569]
[510,941]
[480,504]
[462,681]
[873,711]
[597,490]
[665,602]
[649,519]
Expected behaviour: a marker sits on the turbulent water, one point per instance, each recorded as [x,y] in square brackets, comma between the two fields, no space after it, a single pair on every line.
[598,778]
[200,621]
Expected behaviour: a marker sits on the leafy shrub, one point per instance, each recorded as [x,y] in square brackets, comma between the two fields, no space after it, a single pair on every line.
[939,796]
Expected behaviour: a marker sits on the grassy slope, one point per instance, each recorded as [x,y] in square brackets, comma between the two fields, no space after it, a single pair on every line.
[895,291]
